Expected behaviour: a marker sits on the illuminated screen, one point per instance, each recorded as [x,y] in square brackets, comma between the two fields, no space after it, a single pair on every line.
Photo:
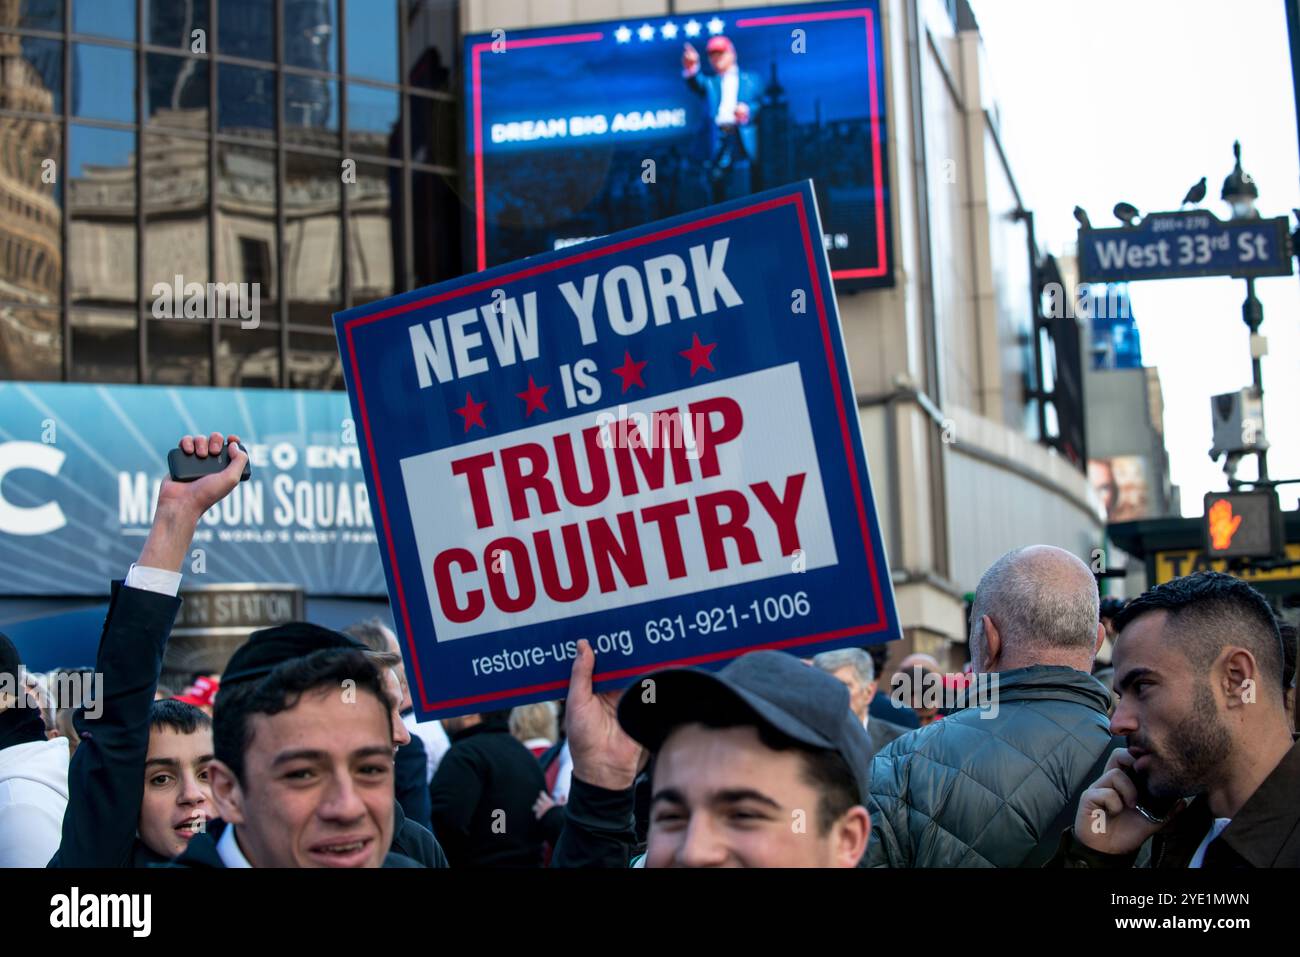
[573,132]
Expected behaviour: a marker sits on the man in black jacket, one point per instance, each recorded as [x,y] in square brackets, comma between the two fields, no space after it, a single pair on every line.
[1199,675]
[483,792]
[107,823]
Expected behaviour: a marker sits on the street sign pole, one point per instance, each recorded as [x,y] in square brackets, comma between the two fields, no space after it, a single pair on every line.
[1252,312]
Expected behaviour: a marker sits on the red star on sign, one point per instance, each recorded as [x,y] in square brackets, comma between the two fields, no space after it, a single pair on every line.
[698,353]
[472,412]
[534,396]
[630,371]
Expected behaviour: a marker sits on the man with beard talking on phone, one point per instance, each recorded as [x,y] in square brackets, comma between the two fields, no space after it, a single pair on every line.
[1198,665]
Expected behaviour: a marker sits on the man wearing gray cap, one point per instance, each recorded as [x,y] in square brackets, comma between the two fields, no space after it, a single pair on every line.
[761,764]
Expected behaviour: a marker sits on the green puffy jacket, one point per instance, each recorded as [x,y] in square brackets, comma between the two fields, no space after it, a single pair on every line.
[978,790]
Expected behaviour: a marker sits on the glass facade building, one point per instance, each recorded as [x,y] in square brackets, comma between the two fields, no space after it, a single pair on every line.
[159,158]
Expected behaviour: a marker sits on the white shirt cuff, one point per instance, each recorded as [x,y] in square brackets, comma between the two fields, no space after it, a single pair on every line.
[158,580]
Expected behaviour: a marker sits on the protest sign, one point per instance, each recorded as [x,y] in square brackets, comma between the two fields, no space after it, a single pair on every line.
[649,440]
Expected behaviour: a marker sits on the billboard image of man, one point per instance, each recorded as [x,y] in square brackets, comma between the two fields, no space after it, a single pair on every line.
[733,100]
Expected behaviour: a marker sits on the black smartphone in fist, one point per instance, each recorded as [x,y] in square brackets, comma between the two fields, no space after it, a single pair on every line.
[187,468]
[1154,809]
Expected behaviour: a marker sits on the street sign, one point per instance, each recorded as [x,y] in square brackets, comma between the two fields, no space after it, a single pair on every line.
[649,440]
[1185,245]
[1243,524]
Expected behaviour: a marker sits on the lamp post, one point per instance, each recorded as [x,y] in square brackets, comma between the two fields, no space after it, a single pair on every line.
[1240,193]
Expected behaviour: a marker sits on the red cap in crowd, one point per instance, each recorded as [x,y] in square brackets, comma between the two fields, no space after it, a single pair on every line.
[202,693]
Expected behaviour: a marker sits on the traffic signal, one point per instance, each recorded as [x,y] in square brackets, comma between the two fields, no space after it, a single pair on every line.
[1242,524]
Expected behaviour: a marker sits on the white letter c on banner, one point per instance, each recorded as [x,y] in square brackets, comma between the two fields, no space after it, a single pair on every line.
[33,520]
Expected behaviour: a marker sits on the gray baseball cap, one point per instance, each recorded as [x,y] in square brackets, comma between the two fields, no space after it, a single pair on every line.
[771,688]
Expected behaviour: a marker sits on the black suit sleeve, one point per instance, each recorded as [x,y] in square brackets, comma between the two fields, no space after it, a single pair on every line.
[599,828]
[106,776]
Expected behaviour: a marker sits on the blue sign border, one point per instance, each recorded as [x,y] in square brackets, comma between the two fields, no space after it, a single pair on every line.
[796,198]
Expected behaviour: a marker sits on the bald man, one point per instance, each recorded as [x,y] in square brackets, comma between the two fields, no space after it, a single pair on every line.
[985,786]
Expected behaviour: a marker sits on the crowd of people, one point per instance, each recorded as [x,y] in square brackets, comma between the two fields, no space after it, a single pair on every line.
[1179,752]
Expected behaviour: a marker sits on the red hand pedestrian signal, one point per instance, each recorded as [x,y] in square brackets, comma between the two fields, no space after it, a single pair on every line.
[1223,524]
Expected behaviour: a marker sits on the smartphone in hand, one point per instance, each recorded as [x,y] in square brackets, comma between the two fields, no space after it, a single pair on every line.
[1154,809]
[187,468]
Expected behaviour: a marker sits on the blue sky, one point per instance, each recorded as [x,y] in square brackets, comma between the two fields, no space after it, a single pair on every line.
[1136,100]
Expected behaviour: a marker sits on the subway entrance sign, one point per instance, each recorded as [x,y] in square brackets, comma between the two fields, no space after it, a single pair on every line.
[1185,245]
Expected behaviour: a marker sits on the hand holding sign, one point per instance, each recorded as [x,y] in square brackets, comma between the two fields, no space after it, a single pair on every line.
[602,752]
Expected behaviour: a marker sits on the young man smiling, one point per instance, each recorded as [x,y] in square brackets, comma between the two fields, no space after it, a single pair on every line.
[270,648]
[759,765]
[303,775]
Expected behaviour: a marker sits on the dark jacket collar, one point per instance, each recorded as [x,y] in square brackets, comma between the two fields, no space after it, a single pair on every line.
[1259,830]
[492,724]
[1269,817]
[1056,682]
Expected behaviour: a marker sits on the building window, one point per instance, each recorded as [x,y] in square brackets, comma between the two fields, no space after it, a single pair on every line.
[33,76]
[32,14]
[313,238]
[105,18]
[172,23]
[255,254]
[31,212]
[101,217]
[372,39]
[31,343]
[103,83]
[247,29]
[311,34]
[267,147]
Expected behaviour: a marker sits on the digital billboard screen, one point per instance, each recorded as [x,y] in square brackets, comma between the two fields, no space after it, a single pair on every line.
[576,131]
